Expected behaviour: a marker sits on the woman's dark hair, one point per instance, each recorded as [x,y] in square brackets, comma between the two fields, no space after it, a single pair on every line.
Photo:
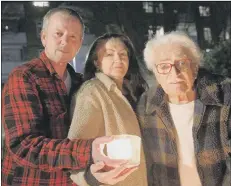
[133,74]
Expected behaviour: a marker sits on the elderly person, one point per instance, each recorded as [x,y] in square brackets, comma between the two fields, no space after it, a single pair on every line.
[103,105]
[186,119]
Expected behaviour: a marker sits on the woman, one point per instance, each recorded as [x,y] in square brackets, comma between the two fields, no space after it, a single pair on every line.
[186,120]
[103,105]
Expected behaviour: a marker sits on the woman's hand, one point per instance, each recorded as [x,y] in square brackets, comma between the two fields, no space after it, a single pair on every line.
[106,170]
[110,176]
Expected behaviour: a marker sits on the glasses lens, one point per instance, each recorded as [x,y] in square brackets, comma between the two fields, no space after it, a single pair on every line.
[164,68]
[182,64]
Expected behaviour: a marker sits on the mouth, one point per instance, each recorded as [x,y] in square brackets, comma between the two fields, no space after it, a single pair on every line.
[178,82]
[65,52]
[120,67]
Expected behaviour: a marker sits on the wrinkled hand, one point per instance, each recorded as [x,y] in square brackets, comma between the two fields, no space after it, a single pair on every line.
[110,176]
[98,155]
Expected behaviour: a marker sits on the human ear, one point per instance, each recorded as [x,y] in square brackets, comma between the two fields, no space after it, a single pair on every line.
[43,38]
[96,66]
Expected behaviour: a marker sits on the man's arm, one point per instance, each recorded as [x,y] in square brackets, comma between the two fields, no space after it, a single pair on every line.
[22,116]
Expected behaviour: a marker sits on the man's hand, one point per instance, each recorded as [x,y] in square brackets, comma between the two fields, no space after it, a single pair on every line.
[112,176]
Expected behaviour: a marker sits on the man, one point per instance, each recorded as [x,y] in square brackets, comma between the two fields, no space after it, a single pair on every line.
[186,120]
[35,113]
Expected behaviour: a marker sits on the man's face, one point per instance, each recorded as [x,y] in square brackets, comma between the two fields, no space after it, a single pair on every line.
[179,80]
[62,38]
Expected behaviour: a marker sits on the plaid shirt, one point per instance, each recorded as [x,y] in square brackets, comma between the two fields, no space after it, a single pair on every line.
[35,115]
[211,133]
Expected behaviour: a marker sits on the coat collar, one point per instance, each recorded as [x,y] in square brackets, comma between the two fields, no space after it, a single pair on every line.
[111,85]
[213,89]
[107,81]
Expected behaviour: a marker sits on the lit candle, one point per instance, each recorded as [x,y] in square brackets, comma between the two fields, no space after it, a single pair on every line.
[126,147]
[120,149]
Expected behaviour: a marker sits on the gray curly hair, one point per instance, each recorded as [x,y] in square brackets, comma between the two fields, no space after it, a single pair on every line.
[176,38]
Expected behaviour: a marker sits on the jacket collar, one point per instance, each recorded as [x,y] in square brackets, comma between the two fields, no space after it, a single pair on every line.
[213,89]
[107,81]
[111,85]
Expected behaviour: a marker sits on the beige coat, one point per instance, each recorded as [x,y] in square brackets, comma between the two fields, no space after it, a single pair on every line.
[99,108]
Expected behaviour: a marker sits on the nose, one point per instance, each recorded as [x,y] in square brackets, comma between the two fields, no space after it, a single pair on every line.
[117,57]
[64,40]
[175,71]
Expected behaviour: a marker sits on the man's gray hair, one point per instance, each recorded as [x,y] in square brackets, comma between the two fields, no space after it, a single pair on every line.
[172,38]
[66,11]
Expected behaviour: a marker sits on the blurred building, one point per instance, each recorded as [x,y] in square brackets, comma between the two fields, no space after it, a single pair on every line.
[14,40]
[21,26]
[205,22]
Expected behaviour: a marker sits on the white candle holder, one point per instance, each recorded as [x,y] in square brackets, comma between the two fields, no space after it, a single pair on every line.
[126,147]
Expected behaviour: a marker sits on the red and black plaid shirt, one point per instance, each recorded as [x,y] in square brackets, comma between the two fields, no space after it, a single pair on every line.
[35,115]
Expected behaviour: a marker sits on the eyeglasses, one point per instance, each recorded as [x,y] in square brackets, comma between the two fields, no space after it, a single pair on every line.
[181,65]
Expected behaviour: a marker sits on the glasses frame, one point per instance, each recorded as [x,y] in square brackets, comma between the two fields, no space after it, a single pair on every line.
[175,65]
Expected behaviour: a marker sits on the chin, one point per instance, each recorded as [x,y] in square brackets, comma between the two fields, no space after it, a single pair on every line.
[181,90]
[65,59]
[119,74]
[177,91]
[117,77]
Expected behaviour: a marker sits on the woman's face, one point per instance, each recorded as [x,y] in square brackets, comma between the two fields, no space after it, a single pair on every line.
[179,80]
[113,59]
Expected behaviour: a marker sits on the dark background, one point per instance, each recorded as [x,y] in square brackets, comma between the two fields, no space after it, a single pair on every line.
[207,23]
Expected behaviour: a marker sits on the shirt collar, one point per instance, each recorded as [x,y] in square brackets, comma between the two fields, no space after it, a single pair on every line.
[107,81]
[49,66]
[47,62]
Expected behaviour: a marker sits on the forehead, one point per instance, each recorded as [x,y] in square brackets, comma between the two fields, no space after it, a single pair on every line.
[170,51]
[62,18]
[114,44]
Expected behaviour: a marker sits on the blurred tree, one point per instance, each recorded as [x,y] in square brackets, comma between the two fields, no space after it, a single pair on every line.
[170,17]
[220,12]
[218,60]
[120,17]
[217,21]
[85,12]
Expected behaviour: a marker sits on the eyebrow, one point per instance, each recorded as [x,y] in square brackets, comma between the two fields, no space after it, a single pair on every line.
[60,30]
[163,60]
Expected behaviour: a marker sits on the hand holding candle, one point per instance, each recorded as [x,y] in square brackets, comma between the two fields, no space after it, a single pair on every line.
[125,147]
[122,159]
